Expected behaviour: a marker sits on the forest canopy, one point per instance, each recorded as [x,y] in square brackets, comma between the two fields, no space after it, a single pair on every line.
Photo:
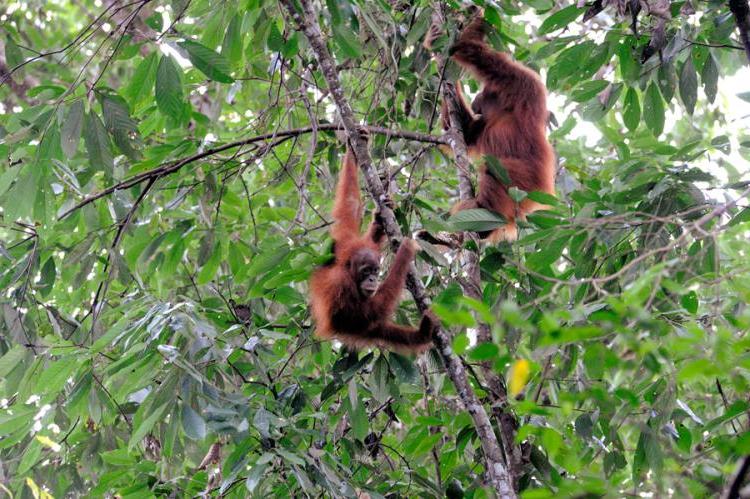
[167,171]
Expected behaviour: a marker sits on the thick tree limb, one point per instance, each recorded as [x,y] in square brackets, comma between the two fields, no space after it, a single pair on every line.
[169,168]
[734,487]
[741,12]
[471,286]
[307,22]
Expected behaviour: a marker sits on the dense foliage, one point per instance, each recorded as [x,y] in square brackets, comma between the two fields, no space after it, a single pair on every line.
[166,179]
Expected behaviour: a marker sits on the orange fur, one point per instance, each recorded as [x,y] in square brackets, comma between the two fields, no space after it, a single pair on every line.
[339,309]
[507,119]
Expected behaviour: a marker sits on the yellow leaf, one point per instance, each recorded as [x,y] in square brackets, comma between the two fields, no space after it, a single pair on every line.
[519,376]
[36,491]
[48,442]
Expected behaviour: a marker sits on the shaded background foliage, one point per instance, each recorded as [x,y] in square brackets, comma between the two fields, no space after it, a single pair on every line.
[160,220]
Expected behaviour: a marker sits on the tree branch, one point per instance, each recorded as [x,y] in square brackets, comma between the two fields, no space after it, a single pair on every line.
[741,13]
[169,168]
[472,286]
[307,22]
[735,485]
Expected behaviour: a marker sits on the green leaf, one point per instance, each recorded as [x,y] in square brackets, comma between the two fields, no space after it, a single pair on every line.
[631,114]
[685,438]
[29,458]
[593,360]
[211,266]
[56,374]
[560,19]
[70,134]
[7,178]
[568,62]
[146,425]
[497,170]
[403,368]
[119,457]
[741,217]
[12,422]
[120,125]
[231,47]
[667,78]
[138,91]
[460,343]
[710,77]
[357,413]
[23,193]
[275,40]
[13,55]
[47,91]
[347,41]
[543,198]
[426,444]
[629,66]
[420,26]
[270,256]
[11,359]
[262,422]
[214,65]
[648,454]
[653,110]
[193,423]
[690,302]
[688,85]
[484,351]
[253,479]
[595,110]
[548,253]
[614,461]
[476,220]
[734,410]
[588,90]
[378,381]
[517,194]
[168,88]
[584,426]
[47,277]
[697,369]
[291,47]
[97,144]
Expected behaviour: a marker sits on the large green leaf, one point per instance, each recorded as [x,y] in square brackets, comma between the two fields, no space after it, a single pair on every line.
[70,132]
[560,19]
[653,109]
[140,431]
[13,56]
[476,220]
[193,423]
[688,85]
[231,48]
[710,77]
[120,125]
[346,41]
[212,64]
[138,91]
[631,114]
[168,88]
[97,143]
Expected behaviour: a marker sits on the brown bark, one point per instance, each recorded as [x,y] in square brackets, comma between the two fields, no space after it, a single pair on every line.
[741,12]
[307,22]
[471,286]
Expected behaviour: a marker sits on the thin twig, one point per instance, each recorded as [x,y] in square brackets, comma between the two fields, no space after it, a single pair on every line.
[172,167]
